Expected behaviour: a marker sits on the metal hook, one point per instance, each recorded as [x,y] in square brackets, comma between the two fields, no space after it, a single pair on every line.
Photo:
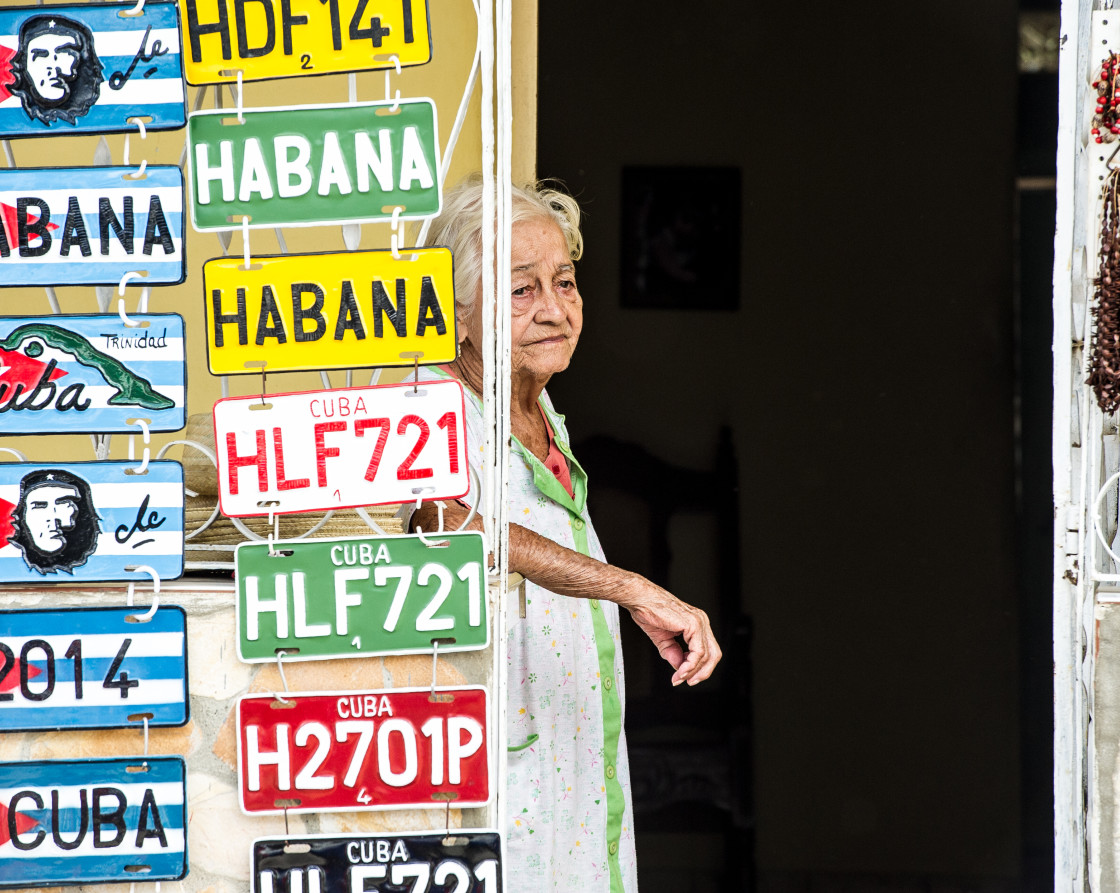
[396,99]
[273,530]
[131,323]
[415,373]
[1108,162]
[147,448]
[143,136]
[245,239]
[145,736]
[135,11]
[240,97]
[144,618]
[420,531]
[394,239]
[284,682]
[435,653]
[125,280]
[264,376]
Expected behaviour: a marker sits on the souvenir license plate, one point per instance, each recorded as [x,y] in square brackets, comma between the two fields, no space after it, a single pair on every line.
[362,750]
[91,668]
[87,521]
[349,447]
[92,821]
[88,68]
[361,596]
[462,862]
[91,225]
[330,311]
[303,37]
[91,374]
[314,164]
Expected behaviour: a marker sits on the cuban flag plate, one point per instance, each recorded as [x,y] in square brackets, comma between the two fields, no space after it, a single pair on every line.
[92,668]
[89,68]
[91,226]
[89,374]
[90,521]
[92,821]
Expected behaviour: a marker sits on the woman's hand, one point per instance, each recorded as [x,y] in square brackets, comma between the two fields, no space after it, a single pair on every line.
[663,617]
[660,614]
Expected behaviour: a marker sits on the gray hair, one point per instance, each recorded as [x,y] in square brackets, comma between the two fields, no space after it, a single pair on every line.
[459,227]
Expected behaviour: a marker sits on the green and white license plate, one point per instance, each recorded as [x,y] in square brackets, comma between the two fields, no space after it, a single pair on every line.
[271,39]
[361,596]
[314,164]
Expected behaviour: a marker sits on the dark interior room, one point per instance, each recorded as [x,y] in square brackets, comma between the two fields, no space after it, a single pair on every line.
[813,397]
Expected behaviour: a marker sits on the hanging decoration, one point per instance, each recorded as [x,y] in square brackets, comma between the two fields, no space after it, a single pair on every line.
[363,750]
[90,521]
[90,68]
[320,450]
[454,861]
[93,821]
[330,311]
[91,226]
[327,598]
[90,374]
[328,37]
[1104,347]
[92,668]
[310,165]
[1106,116]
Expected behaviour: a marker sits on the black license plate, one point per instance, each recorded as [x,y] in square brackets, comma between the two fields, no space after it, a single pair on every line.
[458,862]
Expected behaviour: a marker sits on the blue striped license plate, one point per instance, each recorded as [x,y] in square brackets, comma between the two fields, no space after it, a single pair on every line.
[92,821]
[92,668]
[89,69]
[90,374]
[91,226]
[87,521]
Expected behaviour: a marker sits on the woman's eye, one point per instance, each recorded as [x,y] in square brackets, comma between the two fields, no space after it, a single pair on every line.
[521,292]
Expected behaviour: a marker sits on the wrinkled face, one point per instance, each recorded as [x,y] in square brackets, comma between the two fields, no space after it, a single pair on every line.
[50,513]
[546,307]
[51,59]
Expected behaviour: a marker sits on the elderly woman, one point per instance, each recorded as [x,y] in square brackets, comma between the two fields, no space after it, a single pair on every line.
[568,788]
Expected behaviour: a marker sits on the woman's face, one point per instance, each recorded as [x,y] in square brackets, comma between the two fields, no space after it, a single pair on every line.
[546,308]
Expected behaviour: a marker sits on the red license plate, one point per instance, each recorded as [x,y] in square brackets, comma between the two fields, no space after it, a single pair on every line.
[363,750]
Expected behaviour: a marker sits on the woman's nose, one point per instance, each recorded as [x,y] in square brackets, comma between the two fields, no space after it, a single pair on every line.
[550,305]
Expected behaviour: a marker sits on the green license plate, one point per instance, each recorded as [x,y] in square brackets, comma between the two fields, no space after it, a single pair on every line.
[314,164]
[361,596]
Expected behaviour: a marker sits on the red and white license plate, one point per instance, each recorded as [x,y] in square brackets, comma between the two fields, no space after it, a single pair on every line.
[363,750]
[320,450]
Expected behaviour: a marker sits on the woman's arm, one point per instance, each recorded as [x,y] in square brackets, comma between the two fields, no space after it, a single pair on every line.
[660,614]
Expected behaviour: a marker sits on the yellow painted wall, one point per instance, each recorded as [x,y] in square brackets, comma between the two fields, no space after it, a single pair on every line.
[443,79]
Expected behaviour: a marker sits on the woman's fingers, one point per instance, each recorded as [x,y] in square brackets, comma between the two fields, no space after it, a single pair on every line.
[663,617]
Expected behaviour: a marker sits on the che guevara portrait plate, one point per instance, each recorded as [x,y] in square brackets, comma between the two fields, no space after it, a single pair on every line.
[89,69]
[90,521]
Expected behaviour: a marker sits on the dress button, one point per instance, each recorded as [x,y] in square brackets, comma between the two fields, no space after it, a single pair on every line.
[578,524]
[607,683]
[610,771]
[613,848]
[594,604]
[556,470]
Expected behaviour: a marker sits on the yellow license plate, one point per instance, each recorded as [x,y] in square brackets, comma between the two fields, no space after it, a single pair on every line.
[329,311]
[272,39]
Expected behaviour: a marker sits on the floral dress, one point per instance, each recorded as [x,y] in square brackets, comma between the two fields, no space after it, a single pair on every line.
[571,821]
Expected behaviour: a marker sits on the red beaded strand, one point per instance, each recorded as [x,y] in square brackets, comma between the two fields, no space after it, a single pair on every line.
[1106,116]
